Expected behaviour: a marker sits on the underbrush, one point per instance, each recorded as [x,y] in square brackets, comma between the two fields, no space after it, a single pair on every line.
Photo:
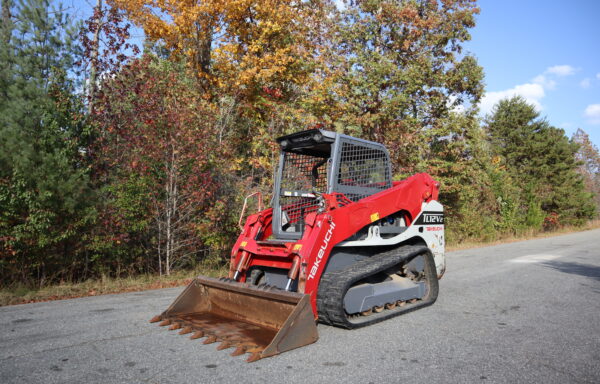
[105,285]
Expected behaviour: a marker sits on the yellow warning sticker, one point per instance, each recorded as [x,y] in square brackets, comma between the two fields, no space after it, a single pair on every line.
[243,243]
[297,247]
[374,216]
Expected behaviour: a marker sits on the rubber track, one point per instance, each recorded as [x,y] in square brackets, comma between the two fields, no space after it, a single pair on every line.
[334,285]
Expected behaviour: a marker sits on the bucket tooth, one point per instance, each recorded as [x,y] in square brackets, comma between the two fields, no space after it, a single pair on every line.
[224,345]
[197,335]
[186,330]
[174,326]
[210,339]
[164,322]
[245,347]
[240,350]
[253,357]
[156,319]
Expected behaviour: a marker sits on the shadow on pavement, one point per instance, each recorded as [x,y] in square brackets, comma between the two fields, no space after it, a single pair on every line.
[587,270]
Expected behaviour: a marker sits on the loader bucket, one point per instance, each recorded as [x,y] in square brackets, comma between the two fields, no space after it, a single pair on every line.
[262,321]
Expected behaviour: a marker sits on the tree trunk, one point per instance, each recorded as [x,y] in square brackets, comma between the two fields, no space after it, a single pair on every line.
[169,213]
[171,209]
[98,15]
[6,21]
[160,272]
[168,226]
[202,57]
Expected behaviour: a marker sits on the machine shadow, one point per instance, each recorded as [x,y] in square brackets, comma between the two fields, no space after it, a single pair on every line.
[586,270]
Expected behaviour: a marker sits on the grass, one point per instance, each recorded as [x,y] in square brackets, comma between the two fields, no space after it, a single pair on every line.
[528,235]
[106,285]
[22,295]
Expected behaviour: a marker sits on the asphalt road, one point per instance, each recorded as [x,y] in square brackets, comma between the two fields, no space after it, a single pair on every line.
[521,312]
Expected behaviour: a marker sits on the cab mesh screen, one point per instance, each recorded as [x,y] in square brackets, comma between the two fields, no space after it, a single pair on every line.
[301,174]
[363,168]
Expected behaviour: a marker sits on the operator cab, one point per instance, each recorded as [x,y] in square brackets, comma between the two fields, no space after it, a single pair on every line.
[315,162]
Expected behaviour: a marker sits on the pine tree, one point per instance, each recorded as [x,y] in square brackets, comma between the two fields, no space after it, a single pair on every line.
[6,30]
[461,163]
[541,161]
[44,194]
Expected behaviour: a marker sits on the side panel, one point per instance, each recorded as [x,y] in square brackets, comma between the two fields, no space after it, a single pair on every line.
[327,230]
[428,226]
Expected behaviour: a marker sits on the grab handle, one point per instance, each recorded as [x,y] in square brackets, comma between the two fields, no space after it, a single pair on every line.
[260,206]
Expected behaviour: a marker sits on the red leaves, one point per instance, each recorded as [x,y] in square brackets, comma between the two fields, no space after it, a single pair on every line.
[155,129]
[273,92]
[105,39]
[551,222]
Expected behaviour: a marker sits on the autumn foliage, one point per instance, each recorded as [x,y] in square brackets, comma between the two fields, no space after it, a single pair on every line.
[120,156]
[154,148]
[231,45]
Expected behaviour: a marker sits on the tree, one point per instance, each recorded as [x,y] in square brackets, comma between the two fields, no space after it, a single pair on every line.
[154,153]
[252,60]
[460,161]
[394,72]
[6,51]
[105,40]
[541,161]
[44,192]
[589,167]
[234,46]
[399,71]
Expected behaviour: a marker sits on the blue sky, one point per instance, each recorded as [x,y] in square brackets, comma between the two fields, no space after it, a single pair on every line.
[545,51]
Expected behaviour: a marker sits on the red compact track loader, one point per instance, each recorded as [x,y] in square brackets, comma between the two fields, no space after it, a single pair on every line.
[343,244]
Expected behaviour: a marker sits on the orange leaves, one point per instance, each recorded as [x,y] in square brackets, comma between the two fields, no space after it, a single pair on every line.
[230,44]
